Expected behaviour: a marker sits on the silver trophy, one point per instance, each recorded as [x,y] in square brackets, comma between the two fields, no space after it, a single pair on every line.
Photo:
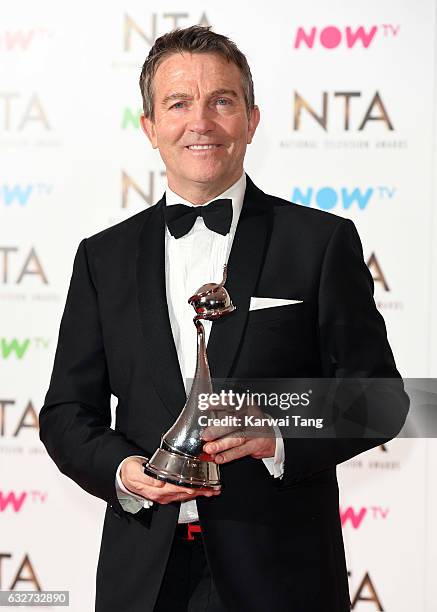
[180,459]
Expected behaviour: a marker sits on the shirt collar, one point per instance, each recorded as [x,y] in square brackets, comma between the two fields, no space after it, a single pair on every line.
[235,193]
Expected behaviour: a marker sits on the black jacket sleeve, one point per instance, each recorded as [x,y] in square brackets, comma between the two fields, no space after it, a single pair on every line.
[76,417]
[353,347]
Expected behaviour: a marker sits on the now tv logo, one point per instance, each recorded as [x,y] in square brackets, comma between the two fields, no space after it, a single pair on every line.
[21,193]
[12,499]
[331,37]
[23,38]
[15,501]
[18,347]
[328,197]
[355,516]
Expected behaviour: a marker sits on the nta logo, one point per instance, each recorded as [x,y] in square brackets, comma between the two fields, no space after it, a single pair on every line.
[171,21]
[376,110]
[18,114]
[142,194]
[365,592]
[30,265]
[378,277]
[331,37]
[23,420]
[25,573]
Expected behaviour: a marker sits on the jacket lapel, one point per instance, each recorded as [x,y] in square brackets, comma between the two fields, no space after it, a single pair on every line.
[158,338]
[244,266]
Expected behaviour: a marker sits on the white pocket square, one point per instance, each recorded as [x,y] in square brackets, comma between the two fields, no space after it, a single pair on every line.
[264,302]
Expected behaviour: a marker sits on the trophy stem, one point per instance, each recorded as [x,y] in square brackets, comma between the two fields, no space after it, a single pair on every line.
[180,459]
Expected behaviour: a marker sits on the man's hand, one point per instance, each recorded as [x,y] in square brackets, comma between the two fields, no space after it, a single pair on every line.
[226,443]
[135,480]
[228,449]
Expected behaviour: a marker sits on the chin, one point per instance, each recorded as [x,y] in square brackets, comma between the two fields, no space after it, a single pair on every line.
[206,177]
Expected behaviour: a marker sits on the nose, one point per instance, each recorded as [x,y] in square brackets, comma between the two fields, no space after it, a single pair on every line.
[201,121]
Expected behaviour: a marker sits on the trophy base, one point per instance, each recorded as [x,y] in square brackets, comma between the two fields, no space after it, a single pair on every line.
[184,471]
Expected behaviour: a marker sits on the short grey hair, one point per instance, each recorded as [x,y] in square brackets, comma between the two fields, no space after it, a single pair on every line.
[195,39]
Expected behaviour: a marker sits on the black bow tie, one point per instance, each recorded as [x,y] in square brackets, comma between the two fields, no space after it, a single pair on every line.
[217,217]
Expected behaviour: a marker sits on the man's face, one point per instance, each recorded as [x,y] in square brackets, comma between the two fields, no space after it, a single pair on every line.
[199,100]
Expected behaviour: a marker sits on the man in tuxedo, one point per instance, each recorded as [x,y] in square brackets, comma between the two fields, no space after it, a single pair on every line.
[271,539]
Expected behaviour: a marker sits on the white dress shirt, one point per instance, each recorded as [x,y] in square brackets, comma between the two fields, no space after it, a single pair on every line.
[190,262]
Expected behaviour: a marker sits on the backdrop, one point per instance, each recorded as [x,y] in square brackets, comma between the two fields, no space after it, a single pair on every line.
[347,98]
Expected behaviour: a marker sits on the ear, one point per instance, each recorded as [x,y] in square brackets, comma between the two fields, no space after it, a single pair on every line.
[148,127]
[253,123]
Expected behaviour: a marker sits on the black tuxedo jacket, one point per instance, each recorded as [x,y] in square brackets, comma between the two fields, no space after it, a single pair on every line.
[271,544]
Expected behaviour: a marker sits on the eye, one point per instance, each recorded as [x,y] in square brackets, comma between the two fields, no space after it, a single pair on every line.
[222,101]
[178,105]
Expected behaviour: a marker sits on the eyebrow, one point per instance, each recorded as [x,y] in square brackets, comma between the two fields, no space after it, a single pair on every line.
[185,96]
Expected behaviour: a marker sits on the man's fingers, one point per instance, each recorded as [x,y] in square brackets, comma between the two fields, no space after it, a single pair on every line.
[166,496]
[168,499]
[236,452]
[152,482]
[140,483]
[170,489]
[255,447]
[134,475]
[218,446]
[178,498]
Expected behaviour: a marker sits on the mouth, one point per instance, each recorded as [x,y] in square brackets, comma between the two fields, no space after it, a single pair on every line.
[206,147]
